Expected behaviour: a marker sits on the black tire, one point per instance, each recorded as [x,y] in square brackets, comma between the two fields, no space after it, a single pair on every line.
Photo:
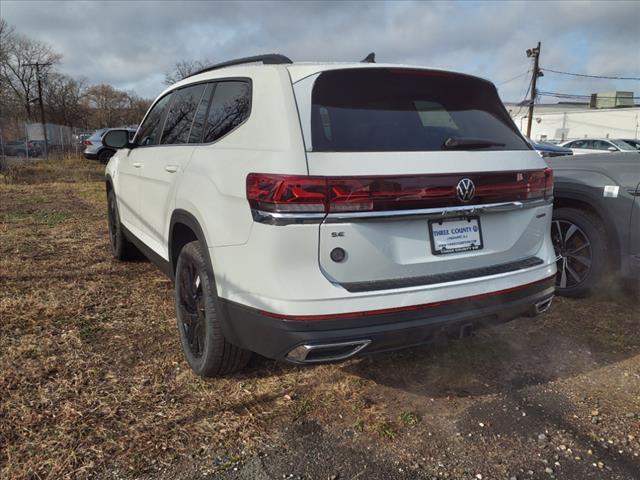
[198,313]
[580,243]
[121,247]
[104,155]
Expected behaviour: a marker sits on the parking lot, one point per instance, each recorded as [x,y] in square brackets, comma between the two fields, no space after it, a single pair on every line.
[93,383]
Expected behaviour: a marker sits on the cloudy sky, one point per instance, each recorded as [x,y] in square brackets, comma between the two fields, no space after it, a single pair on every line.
[132,44]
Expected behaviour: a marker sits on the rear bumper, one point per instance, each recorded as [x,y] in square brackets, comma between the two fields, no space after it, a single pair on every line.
[275,336]
[90,156]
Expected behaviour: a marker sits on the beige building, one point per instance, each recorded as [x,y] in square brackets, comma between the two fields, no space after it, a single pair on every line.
[559,122]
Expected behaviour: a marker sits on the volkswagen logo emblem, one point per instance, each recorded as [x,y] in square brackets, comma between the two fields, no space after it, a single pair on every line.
[465,190]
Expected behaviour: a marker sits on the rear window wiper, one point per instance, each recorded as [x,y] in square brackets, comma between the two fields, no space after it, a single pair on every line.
[453,143]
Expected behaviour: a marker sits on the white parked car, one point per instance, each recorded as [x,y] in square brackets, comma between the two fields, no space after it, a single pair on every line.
[598,145]
[308,212]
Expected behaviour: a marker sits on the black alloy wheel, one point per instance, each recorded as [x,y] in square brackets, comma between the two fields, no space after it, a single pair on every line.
[121,247]
[105,155]
[191,304]
[113,221]
[573,253]
[201,318]
[580,243]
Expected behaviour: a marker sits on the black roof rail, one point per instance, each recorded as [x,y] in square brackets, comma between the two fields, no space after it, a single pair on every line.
[267,59]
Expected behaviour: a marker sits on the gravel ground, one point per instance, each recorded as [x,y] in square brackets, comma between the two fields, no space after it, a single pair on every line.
[94,385]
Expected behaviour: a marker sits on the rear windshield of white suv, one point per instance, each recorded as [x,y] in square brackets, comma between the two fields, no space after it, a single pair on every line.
[380,109]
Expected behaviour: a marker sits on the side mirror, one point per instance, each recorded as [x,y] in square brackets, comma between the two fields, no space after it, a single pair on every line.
[117,138]
[612,149]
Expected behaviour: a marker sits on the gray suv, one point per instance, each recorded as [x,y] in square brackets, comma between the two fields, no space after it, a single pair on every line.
[96,150]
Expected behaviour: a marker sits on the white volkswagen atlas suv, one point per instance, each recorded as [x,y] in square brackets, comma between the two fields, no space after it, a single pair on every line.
[312,211]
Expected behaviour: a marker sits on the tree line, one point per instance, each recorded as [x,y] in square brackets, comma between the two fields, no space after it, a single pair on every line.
[67,100]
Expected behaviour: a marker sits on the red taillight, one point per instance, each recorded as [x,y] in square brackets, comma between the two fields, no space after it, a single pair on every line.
[548,175]
[288,193]
[87,142]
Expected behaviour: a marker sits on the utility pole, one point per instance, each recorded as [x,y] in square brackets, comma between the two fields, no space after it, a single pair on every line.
[40,102]
[535,53]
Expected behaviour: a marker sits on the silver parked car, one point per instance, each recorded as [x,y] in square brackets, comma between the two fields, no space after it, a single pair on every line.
[598,145]
[95,150]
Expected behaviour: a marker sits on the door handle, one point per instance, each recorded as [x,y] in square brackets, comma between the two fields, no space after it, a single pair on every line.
[137,164]
[171,168]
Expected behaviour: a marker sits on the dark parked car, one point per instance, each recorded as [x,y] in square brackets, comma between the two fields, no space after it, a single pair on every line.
[596,220]
[20,148]
[550,150]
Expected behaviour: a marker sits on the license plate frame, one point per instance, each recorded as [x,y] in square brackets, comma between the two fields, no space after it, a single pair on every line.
[470,246]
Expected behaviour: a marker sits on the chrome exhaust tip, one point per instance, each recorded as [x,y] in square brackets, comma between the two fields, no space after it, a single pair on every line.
[326,352]
[541,307]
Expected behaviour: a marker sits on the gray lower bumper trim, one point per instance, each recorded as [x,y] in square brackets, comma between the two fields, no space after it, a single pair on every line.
[442,277]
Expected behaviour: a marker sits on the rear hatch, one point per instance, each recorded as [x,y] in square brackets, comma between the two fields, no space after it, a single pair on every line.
[422,169]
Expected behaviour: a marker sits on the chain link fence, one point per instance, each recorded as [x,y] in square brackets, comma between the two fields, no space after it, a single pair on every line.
[22,142]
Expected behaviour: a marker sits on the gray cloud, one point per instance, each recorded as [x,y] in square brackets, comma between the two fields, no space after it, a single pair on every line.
[132,44]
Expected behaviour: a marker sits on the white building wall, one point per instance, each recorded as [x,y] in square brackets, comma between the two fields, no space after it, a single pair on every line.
[572,124]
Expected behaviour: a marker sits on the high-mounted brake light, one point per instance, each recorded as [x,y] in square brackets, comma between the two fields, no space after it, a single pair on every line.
[313,194]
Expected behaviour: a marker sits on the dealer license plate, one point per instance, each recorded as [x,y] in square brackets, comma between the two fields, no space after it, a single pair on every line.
[455,235]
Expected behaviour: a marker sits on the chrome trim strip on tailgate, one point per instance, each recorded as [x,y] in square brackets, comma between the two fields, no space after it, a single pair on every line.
[271,218]
[424,280]
[443,212]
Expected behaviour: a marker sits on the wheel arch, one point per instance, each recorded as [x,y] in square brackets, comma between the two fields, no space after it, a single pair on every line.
[580,201]
[108,183]
[185,228]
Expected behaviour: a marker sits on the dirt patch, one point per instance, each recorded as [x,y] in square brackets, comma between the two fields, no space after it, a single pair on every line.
[94,385]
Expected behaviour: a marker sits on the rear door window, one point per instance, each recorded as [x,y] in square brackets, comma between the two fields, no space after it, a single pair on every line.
[177,126]
[230,107]
[598,145]
[380,109]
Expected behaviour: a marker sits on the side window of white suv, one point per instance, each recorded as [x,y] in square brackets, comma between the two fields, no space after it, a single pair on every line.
[149,132]
[180,117]
[230,107]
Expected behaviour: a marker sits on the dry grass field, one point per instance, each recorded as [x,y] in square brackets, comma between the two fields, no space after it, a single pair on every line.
[93,384]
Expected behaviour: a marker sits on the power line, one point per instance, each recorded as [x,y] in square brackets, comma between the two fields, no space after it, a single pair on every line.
[575,95]
[523,103]
[589,76]
[514,78]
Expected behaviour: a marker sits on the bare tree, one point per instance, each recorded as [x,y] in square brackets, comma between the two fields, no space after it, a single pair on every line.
[67,101]
[7,35]
[17,70]
[183,69]
[64,100]
[109,107]
[136,109]
[107,104]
